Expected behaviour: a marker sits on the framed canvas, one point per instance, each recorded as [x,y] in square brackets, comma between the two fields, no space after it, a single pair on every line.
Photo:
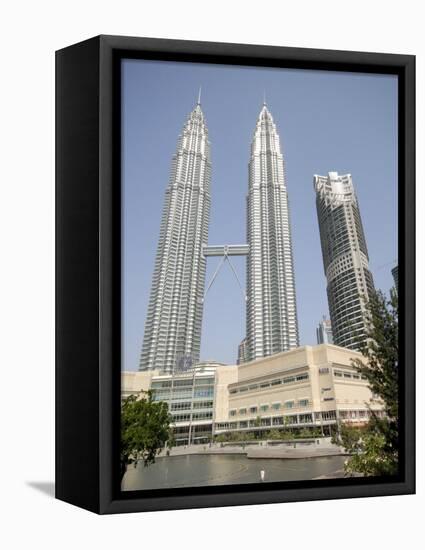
[262,198]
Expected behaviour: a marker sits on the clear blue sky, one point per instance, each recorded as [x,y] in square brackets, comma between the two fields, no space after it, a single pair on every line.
[327,121]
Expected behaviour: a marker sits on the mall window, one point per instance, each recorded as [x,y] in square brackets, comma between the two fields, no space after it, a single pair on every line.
[180,406]
[202,415]
[181,417]
[204,393]
[203,404]
[276,406]
[253,409]
[264,408]
[164,384]
[179,383]
[289,404]
[303,402]
[204,381]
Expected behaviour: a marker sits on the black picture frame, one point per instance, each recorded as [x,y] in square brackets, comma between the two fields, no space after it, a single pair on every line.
[88,272]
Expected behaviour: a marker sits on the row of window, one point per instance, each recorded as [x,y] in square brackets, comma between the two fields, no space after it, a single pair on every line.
[271,383]
[195,416]
[272,421]
[275,406]
[289,420]
[185,382]
[198,393]
[353,376]
[187,405]
[360,414]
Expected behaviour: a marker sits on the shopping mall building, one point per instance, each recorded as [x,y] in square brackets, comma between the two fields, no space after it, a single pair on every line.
[310,386]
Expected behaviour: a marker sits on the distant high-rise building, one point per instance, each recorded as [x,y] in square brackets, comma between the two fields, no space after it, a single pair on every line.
[324,332]
[174,318]
[394,272]
[271,316]
[345,257]
[242,352]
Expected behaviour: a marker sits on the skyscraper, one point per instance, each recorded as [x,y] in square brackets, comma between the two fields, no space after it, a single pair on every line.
[345,257]
[242,353]
[174,318]
[271,307]
[394,273]
[324,332]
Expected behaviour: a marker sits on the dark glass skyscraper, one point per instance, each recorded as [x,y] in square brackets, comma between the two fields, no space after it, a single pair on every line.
[345,257]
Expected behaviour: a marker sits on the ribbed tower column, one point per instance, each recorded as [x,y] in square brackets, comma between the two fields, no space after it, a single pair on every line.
[174,318]
[272,324]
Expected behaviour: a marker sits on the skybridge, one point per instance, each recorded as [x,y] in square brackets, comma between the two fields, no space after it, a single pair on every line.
[225,251]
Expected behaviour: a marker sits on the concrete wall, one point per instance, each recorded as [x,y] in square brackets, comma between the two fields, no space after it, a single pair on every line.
[136,382]
[324,390]
[224,376]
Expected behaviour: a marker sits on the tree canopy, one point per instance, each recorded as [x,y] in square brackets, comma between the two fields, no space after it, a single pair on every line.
[145,429]
[374,449]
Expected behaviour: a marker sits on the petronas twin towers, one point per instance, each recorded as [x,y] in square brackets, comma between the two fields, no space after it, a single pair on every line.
[174,318]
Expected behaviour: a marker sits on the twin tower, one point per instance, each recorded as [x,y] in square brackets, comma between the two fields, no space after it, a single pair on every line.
[174,319]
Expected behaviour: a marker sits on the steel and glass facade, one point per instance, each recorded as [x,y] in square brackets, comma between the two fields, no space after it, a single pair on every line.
[190,399]
[324,332]
[271,313]
[174,317]
[394,273]
[345,258]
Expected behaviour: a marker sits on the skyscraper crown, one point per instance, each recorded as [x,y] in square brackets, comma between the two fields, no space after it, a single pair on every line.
[265,114]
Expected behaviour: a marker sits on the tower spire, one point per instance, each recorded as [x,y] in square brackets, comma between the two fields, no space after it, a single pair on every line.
[199,95]
[264,97]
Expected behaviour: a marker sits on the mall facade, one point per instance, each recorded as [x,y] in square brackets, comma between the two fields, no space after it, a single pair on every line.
[306,387]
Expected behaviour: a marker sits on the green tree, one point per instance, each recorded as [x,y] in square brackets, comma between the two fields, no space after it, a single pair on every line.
[374,449]
[274,434]
[305,433]
[145,429]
